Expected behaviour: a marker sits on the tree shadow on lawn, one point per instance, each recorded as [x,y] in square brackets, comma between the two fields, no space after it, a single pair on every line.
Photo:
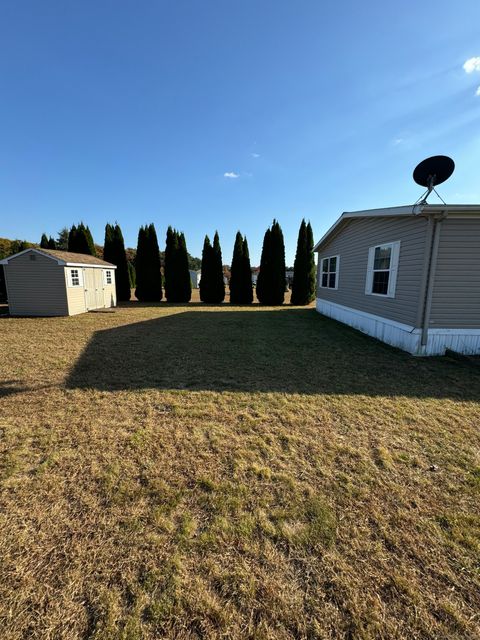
[286,350]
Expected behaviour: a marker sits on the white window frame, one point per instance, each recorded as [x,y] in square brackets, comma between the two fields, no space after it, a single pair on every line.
[105,278]
[392,270]
[337,271]
[79,276]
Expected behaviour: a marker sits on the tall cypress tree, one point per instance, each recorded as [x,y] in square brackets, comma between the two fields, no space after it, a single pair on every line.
[206,279]
[147,265]
[122,277]
[114,252]
[263,280]
[44,241]
[108,248]
[212,287]
[80,240]
[72,240]
[303,286]
[247,286]
[218,285]
[271,279]
[185,282]
[51,243]
[236,271]
[178,286]
[171,250]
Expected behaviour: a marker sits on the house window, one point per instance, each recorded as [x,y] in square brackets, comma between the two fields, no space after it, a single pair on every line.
[329,275]
[75,278]
[382,269]
[107,275]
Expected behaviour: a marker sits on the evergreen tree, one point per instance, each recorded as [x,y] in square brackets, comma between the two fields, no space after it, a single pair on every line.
[247,286]
[178,286]
[72,239]
[80,240]
[212,287]
[62,240]
[271,279]
[108,245]
[171,250]
[51,243]
[44,241]
[122,277]
[303,286]
[206,278]
[218,285]
[132,275]
[185,282]
[147,266]
[237,271]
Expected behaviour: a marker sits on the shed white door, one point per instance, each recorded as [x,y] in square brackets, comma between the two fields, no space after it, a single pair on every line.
[89,283]
[100,298]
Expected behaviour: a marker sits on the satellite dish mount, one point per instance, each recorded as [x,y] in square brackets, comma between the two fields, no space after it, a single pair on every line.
[430,172]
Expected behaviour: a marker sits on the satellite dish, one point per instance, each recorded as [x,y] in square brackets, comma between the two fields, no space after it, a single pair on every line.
[433,171]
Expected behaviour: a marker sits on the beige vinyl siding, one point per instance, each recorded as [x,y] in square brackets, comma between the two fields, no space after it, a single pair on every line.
[352,244]
[75,295]
[35,287]
[456,292]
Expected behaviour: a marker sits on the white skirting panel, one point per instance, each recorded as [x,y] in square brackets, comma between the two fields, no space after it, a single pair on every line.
[404,336]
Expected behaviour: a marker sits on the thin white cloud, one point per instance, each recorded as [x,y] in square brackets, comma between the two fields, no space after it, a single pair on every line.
[477,92]
[472,64]
[231,174]
[397,141]
[255,155]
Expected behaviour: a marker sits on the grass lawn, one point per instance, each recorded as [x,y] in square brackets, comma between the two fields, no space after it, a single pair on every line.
[228,472]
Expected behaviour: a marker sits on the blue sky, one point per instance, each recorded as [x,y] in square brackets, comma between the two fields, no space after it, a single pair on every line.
[138,111]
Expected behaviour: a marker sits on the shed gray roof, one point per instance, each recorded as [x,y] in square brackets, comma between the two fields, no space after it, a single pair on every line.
[65,257]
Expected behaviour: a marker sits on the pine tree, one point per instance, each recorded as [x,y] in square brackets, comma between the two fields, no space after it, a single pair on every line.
[303,286]
[62,240]
[147,266]
[44,241]
[171,250]
[51,243]
[271,279]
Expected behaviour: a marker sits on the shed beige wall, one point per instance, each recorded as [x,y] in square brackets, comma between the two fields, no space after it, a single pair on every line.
[456,292]
[106,294]
[35,288]
[352,245]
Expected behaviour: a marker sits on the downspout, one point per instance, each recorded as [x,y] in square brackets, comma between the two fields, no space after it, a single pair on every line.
[437,222]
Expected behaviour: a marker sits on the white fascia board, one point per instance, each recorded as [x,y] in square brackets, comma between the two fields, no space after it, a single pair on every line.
[85,265]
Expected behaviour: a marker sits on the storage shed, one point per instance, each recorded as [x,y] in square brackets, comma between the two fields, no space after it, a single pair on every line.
[409,276]
[44,282]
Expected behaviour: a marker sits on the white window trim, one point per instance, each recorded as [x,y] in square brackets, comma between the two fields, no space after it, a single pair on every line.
[337,271]
[80,277]
[105,283]
[392,280]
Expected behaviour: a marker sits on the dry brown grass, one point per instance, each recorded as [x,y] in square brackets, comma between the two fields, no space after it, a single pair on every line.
[219,472]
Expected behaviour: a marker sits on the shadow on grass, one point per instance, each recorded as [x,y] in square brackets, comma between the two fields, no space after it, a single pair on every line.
[286,350]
